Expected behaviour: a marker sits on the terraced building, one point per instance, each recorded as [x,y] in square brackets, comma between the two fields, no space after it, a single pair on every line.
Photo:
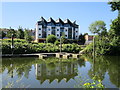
[57,28]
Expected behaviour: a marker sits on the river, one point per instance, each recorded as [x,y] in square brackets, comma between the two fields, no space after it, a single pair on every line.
[30,72]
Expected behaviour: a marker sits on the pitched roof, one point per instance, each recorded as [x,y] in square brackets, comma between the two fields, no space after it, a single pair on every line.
[42,20]
[59,21]
[51,20]
[67,21]
[74,24]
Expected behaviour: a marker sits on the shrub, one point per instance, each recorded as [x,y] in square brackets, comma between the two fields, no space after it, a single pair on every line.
[25,47]
[51,39]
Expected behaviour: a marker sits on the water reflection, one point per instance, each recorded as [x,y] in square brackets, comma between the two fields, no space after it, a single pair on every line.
[104,64]
[106,68]
[57,71]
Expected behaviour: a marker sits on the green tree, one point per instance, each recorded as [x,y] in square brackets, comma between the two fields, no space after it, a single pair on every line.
[20,33]
[2,34]
[115,27]
[51,39]
[115,5]
[10,32]
[81,39]
[98,27]
[27,36]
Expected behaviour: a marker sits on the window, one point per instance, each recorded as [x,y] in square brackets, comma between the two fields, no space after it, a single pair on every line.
[39,28]
[65,35]
[39,34]
[76,36]
[49,29]
[57,29]
[76,31]
[48,34]
[66,30]
[57,34]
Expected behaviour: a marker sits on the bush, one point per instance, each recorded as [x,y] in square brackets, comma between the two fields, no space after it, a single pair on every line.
[104,46]
[57,42]
[25,47]
[51,39]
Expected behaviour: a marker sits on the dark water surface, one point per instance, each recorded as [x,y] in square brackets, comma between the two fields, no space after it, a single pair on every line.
[35,73]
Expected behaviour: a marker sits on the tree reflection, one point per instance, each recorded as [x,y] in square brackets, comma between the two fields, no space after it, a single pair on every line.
[103,64]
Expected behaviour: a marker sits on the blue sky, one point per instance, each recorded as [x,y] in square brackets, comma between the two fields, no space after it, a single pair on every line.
[26,14]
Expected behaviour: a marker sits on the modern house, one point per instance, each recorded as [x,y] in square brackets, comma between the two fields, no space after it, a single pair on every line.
[58,28]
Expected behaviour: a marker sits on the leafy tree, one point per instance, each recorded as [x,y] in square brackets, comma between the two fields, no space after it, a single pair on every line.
[20,33]
[27,36]
[115,27]
[98,27]
[115,5]
[2,34]
[81,39]
[10,32]
[51,39]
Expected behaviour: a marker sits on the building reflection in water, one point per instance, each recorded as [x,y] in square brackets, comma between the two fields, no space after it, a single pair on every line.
[59,71]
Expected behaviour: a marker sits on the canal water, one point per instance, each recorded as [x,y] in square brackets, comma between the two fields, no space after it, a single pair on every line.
[30,72]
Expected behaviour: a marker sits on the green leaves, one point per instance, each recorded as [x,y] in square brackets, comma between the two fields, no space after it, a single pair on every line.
[22,46]
[51,39]
[97,27]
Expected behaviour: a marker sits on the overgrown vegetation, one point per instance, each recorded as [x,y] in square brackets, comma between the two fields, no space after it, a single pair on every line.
[106,43]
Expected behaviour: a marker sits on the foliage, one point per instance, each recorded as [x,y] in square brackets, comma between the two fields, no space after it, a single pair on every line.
[57,42]
[98,27]
[23,46]
[81,39]
[3,34]
[115,28]
[109,42]
[104,46]
[27,36]
[115,5]
[20,33]
[94,84]
[10,32]
[51,39]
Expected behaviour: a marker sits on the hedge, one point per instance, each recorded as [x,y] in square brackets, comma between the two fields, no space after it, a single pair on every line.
[23,47]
